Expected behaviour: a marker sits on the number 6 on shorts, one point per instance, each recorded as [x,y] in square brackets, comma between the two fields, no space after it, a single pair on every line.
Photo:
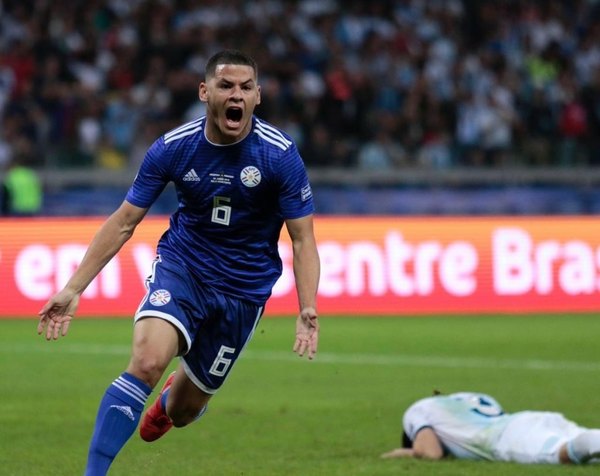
[221,363]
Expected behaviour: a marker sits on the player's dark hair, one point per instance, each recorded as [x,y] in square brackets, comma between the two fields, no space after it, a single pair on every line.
[406,441]
[229,57]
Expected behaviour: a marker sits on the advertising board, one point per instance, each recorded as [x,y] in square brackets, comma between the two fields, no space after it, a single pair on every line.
[369,265]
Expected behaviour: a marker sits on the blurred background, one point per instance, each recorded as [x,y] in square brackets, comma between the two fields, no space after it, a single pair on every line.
[398,106]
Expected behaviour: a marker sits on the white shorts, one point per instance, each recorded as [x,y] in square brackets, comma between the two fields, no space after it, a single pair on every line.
[535,437]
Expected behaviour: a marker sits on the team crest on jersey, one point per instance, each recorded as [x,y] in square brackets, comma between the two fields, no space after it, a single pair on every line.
[250,176]
[160,297]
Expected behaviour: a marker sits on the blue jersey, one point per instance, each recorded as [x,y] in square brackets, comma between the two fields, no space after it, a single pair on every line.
[233,200]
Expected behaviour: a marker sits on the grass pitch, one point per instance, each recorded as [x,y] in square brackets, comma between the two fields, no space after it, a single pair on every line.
[278,414]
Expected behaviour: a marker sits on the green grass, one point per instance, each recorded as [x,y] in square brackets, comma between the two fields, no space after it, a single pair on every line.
[280,415]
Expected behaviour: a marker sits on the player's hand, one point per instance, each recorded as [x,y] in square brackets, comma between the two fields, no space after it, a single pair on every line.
[57,314]
[399,453]
[307,332]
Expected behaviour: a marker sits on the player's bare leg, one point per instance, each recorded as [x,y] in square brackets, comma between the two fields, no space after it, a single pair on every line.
[180,402]
[186,401]
[155,343]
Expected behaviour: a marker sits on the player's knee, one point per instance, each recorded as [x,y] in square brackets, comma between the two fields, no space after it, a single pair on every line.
[147,368]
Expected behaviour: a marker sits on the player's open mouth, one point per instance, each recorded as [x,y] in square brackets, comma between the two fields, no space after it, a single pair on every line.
[233,115]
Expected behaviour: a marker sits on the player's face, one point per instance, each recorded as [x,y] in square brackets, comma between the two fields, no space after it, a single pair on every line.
[231,96]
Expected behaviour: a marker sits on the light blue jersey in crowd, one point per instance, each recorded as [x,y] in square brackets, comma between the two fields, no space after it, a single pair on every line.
[233,200]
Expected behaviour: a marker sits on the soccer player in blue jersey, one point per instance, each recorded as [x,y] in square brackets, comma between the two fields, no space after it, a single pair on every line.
[238,180]
[471,425]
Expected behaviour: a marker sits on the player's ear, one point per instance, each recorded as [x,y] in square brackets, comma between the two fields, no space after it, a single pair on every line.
[202,92]
[257,95]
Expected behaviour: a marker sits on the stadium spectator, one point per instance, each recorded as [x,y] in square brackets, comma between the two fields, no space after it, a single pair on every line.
[22,190]
[572,125]
[468,425]
[238,180]
[538,129]
[382,152]
[591,100]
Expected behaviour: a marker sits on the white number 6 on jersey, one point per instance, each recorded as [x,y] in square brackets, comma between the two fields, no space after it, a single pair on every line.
[221,213]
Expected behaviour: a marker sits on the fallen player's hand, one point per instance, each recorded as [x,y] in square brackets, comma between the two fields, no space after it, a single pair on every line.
[399,453]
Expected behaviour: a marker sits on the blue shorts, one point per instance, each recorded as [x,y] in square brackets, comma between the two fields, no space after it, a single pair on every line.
[216,327]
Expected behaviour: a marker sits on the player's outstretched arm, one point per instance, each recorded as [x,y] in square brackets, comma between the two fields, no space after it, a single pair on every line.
[426,446]
[58,312]
[399,453]
[306,272]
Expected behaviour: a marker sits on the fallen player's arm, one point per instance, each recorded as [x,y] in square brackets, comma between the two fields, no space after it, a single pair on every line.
[427,445]
[399,453]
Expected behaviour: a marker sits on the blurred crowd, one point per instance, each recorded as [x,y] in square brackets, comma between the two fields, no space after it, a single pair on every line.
[370,84]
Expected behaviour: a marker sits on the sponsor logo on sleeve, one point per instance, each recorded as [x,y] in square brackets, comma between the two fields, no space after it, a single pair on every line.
[305,192]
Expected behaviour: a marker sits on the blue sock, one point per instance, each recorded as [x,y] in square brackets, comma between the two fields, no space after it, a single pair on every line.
[117,419]
[163,399]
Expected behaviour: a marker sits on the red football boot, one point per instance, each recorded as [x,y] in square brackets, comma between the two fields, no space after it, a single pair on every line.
[156,422]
